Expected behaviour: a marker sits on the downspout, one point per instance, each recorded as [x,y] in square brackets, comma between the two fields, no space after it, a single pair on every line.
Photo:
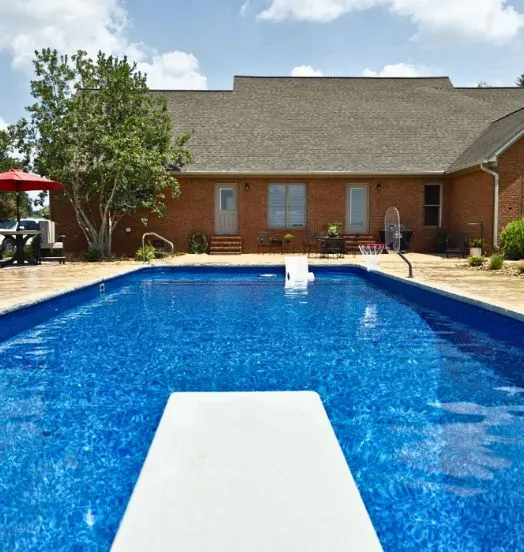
[495,175]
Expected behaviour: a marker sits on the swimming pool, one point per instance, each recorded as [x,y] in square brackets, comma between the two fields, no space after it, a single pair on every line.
[429,411]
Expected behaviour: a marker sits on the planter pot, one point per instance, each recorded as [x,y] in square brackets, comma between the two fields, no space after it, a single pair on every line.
[475,252]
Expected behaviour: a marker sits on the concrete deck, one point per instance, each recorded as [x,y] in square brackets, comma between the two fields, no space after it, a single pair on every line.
[237,472]
[21,285]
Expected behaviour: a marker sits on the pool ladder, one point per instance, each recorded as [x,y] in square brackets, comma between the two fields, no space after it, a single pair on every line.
[158,236]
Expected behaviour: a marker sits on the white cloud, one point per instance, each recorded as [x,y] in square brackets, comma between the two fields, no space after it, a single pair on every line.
[173,70]
[305,71]
[3,124]
[312,10]
[399,70]
[481,20]
[90,25]
[244,8]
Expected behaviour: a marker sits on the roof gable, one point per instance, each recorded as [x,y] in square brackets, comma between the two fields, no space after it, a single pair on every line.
[495,139]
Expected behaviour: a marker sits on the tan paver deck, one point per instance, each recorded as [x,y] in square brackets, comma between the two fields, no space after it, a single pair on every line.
[22,285]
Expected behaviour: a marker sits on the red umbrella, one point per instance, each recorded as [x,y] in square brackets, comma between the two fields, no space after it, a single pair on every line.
[18,181]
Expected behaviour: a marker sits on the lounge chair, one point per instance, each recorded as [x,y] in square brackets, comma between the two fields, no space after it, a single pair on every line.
[51,245]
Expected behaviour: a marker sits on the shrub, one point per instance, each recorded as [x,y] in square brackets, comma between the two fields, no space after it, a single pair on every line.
[496,262]
[288,237]
[148,254]
[512,240]
[93,255]
[520,268]
[476,261]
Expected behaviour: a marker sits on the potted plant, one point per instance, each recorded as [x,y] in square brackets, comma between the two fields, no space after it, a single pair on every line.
[334,229]
[475,248]
[288,238]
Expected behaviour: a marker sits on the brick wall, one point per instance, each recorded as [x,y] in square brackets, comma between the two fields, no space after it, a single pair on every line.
[326,201]
[511,195]
[469,198]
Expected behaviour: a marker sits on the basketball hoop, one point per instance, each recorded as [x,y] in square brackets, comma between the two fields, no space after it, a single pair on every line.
[371,253]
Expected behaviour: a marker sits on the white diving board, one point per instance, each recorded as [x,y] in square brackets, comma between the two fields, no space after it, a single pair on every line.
[245,472]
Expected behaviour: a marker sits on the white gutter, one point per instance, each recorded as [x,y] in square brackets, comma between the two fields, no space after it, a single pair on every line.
[495,175]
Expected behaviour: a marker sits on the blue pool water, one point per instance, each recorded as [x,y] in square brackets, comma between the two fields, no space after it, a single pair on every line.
[429,412]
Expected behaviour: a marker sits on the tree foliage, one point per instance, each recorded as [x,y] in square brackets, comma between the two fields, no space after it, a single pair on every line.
[94,127]
[8,199]
[520,80]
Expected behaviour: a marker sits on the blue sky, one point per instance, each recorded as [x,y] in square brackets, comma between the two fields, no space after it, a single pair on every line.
[204,43]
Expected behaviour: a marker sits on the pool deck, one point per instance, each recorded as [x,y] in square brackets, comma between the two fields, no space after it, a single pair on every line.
[28,284]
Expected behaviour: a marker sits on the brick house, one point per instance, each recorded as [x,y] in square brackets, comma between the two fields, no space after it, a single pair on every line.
[292,154]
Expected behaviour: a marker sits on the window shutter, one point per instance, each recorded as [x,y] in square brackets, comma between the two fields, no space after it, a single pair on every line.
[277,206]
[296,202]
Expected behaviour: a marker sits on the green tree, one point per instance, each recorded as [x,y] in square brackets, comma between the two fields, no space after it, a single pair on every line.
[520,81]
[95,127]
[8,199]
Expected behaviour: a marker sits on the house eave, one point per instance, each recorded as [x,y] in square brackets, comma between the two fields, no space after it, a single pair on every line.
[475,164]
[507,145]
[493,158]
[349,174]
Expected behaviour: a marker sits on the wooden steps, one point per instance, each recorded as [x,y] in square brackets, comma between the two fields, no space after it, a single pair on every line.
[225,244]
[352,241]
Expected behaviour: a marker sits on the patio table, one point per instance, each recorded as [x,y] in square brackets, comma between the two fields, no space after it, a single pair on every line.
[20,238]
[331,246]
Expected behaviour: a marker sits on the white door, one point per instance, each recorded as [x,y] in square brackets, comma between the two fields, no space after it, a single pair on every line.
[226,212]
[357,210]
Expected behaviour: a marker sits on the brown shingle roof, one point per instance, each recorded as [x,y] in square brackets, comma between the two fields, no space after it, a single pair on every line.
[496,136]
[324,124]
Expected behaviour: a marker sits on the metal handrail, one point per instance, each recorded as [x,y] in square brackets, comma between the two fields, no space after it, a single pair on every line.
[407,262]
[158,236]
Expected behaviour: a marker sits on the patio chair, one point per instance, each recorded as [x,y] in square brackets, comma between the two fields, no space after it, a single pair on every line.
[51,245]
[265,240]
[311,243]
[456,245]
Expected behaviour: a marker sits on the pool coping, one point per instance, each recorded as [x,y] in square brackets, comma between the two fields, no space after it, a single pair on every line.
[54,295]
[359,268]
[452,295]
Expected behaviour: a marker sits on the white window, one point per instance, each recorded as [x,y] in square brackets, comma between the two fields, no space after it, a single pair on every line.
[286,205]
[433,205]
